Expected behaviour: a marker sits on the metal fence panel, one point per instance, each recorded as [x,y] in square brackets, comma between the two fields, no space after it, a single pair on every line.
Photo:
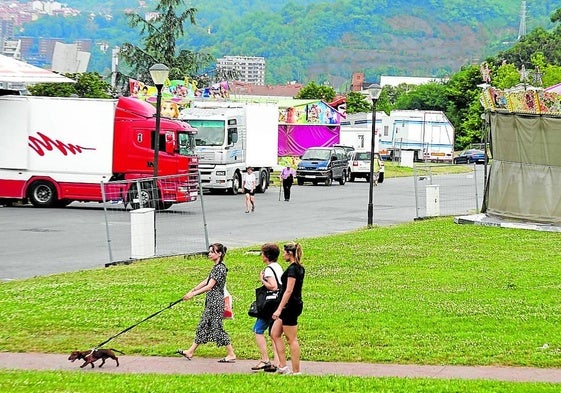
[169,223]
[452,199]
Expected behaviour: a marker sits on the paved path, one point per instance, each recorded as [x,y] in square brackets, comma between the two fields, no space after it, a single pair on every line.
[178,365]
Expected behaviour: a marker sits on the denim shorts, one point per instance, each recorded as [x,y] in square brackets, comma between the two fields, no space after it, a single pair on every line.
[261,325]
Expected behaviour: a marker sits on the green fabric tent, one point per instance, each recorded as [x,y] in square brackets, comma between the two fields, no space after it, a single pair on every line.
[524,181]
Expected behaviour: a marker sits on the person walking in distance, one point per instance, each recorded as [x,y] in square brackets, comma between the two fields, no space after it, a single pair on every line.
[211,325]
[376,169]
[290,307]
[270,277]
[287,176]
[249,183]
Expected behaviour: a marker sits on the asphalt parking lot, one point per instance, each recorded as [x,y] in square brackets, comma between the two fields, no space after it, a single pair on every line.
[45,241]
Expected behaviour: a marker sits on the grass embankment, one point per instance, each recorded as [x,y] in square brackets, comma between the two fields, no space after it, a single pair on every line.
[429,292]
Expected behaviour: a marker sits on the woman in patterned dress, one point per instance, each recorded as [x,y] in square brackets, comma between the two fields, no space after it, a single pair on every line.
[211,327]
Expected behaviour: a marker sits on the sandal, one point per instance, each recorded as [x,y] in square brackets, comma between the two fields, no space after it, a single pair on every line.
[182,353]
[261,365]
[226,360]
[270,369]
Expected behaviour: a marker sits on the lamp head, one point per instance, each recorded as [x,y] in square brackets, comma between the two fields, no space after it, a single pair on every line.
[373,91]
[159,74]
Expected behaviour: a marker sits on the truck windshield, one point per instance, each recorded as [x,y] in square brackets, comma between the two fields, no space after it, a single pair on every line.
[186,144]
[318,155]
[210,132]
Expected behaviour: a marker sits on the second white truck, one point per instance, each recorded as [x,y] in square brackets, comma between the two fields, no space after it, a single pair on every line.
[232,136]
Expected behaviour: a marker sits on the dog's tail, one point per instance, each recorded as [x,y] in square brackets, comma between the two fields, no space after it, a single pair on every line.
[116,350]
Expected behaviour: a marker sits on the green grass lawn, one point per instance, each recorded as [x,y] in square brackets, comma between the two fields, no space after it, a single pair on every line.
[84,382]
[428,292]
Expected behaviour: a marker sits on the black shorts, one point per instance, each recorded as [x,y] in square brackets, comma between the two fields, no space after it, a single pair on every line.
[290,314]
[250,192]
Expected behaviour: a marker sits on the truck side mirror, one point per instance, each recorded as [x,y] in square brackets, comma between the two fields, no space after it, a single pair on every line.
[170,142]
[333,158]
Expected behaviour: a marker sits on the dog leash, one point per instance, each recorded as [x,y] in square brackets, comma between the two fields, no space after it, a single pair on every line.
[138,323]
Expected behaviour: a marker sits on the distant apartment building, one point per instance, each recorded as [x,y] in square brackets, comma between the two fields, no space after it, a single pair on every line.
[247,69]
[47,48]
[12,48]
[69,58]
[6,29]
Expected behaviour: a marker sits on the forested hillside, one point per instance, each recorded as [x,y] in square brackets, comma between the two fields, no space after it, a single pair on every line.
[325,41]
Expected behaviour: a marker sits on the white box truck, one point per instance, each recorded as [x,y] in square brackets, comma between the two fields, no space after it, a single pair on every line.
[230,137]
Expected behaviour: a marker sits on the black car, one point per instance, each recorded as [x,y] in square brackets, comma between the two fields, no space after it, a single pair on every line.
[323,164]
[470,156]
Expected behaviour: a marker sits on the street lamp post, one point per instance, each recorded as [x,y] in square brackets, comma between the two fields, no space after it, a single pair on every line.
[373,92]
[159,74]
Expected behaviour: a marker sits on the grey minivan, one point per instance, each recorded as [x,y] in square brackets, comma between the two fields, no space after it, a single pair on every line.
[323,164]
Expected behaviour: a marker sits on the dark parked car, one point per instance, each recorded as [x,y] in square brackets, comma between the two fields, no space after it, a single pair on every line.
[323,164]
[470,156]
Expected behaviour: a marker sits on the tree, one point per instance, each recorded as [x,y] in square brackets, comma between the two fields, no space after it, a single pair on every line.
[506,76]
[430,96]
[357,102]
[314,91]
[88,85]
[52,89]
[161,33]
[464,109]
[91,85]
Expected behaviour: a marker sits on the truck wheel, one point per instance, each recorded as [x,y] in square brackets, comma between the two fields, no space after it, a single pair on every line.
[300,181]
[343,178]
[43,194]
[236,184]
[352,177]
[143,200]
[329,179]
[262,187]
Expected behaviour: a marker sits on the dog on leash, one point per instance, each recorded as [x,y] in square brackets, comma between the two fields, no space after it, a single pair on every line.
[93,355]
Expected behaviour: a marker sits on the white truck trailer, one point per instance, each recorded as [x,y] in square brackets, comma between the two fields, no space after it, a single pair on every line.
[232,136]
[428,134]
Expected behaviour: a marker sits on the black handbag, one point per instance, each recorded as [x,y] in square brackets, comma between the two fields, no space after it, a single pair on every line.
[252,312]
[266,301]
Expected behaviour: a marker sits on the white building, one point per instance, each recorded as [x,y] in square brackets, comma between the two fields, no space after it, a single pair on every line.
[67,58]
[388,80]
[247,68]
